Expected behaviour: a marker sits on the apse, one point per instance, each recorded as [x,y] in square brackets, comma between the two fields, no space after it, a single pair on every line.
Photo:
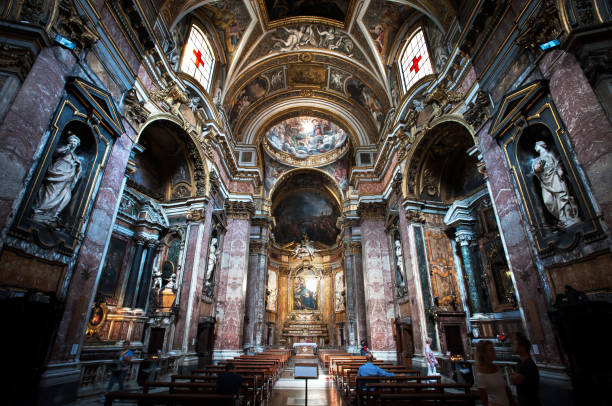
[305,204]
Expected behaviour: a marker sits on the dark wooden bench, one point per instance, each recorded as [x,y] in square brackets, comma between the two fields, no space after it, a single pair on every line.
[175,399]
[362,381]
[428,399]
[247,392]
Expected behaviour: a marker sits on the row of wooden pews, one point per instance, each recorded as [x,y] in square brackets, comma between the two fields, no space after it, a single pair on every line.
[407,387]
[259,373]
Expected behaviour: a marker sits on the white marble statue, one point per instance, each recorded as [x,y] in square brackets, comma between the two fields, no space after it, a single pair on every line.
[555,193]
[400,264]
[59,182]
[271,291]
[305,248]
[171,283]
[157,280]
[212,259]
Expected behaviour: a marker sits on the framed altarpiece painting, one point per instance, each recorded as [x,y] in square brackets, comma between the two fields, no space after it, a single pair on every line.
[55,207]
[552,192]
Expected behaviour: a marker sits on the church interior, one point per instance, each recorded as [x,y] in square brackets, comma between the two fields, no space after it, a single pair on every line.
[213,180]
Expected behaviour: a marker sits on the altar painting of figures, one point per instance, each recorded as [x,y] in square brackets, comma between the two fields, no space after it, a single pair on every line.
[306,291]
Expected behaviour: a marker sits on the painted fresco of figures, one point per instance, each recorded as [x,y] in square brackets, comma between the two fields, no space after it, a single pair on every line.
[555,193]
[303,298]
[304,136]
[59,182]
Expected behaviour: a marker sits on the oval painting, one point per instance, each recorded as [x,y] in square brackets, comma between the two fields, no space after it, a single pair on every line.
[306,136]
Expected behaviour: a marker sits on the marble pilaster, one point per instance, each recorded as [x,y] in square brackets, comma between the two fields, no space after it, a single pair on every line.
[525,274]
[417,314]
[255,295]
[192,282]
[232,280]
[378,279]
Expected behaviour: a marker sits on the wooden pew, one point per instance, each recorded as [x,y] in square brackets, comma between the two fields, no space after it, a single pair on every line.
[362,381]
[423,399]
[175,399]
[254,381]
[247,392]
[349,379]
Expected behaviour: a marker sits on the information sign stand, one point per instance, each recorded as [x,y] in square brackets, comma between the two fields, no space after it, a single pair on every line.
[306,371]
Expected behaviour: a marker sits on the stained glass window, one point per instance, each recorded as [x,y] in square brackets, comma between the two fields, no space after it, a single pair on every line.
[414,62]
[198,60]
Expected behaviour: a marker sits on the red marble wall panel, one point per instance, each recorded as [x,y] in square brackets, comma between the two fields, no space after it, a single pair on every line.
[188,273]
[416,315]
[525,273]
[232,285]
[588,127]
[74,320]
[369,188]
[378,285]
[25,125]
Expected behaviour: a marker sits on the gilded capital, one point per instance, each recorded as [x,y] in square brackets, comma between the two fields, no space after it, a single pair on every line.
[239,209]
[372,210]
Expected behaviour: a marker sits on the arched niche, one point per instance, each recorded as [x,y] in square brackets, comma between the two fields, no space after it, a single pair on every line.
[306,202]
[442,166]
[169,166]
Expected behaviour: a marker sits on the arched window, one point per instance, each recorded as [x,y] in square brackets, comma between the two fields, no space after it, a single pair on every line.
[414,62]
[198,60]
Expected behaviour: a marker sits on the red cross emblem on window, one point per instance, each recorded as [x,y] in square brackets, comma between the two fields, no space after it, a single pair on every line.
[198,56]
[415,64]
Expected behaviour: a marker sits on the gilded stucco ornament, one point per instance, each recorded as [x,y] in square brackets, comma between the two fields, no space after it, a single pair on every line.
[541,28]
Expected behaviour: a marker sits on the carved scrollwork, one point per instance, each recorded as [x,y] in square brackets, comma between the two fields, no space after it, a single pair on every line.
[73,26]
[541,28]
[415,216]
[172,97]
[441,99]
[134,108]
[478,110]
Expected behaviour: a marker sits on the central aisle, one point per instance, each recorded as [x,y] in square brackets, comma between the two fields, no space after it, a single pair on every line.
[289,391]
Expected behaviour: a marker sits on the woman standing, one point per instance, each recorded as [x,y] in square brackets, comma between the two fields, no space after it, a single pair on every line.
[430,358]
[489,378]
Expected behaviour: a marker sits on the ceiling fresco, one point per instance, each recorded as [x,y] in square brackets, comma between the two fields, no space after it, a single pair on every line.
[304,136]
[332,9]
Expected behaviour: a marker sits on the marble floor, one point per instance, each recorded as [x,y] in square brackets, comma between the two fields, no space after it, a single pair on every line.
[291,392]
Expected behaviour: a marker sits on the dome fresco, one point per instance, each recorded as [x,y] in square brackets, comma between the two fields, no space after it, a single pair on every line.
[305,136]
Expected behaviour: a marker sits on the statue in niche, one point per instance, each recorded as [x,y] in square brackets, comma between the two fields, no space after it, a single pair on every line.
[399,271]
[555,192]
[271,291]
[58,184]
[212,260]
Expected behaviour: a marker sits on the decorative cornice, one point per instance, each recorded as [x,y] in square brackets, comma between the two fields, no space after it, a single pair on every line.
[239,209]
[257,247]
[371,210]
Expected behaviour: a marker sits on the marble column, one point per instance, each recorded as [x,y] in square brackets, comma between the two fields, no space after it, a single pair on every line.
[142,300]
[255,296]
[135,271]
[378,280]
[192,281]
[232,280]
[464,236]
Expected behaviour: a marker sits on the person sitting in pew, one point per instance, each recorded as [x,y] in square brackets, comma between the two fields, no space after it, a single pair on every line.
[369,369]
[229,382]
